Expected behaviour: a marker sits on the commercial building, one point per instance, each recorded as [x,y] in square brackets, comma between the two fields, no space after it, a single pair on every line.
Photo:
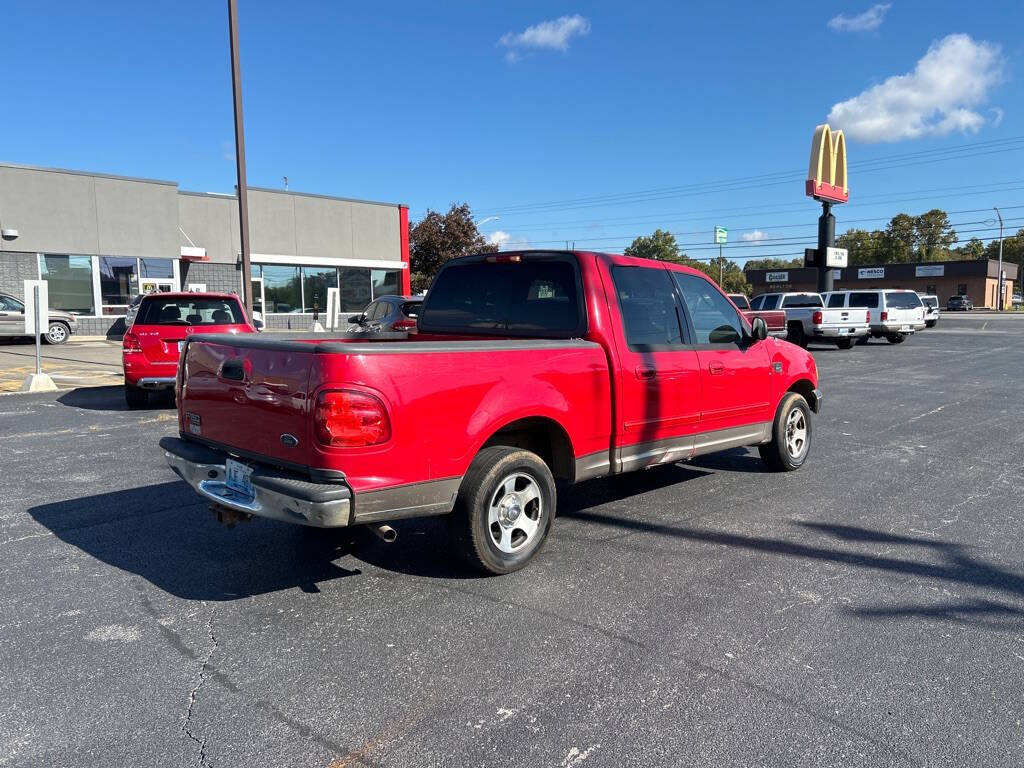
[99,240]
[977,279]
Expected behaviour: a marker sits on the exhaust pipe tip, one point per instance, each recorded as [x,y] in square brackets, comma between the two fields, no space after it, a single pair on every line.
[385,532]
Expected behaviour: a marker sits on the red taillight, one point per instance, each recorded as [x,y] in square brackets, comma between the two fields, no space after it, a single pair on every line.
[404,325]
[816,318]
[349,419]
[885,316]
[131,343]
[867,316]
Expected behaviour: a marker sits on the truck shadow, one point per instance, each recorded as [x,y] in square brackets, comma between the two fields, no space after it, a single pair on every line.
[944,561]
[112,399]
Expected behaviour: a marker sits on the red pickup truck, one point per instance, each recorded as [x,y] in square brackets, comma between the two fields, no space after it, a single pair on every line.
[528,369]
[775,319]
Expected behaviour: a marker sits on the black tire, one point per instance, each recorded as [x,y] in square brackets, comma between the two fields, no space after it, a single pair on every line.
[864,339]
[477,537]
[930,323]
[796,335]
[57,333]
[896,338]
[844,343]
[777,453]
[135,397]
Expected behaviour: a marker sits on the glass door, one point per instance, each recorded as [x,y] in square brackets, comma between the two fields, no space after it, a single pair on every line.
[257,298]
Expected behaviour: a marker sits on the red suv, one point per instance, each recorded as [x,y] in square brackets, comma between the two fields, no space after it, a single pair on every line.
[162,324]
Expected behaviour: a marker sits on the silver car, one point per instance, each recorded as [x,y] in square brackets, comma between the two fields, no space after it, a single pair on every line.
[12,321]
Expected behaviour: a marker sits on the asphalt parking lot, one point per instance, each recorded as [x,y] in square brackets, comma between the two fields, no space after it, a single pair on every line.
[867,610]
[77,363]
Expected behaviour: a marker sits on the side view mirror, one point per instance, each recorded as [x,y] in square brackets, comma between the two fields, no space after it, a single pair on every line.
[759,328]
[257,324]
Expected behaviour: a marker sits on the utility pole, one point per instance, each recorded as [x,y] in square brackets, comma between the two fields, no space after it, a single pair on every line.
[243,201]
[826,239]
[999,277]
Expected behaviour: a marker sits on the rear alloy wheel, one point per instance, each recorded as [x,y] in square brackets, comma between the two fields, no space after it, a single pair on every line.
[791,435]
[57,333]
[504,510]
[845,343]
[896,338]
[135,397]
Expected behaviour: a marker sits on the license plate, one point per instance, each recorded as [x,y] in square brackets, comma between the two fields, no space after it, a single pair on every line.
[181,346]
[904,327]
[844,331]
[239,477]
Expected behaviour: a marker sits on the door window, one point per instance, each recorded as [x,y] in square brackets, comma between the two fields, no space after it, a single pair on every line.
[867,300]
[713,317]
[648,304]
[837,301]
[10,305]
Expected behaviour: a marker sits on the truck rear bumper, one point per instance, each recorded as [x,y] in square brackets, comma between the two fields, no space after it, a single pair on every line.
[837,333]
[277,495]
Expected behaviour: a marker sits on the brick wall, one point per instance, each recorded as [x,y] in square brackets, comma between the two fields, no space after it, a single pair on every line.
[217,277]
[15,268]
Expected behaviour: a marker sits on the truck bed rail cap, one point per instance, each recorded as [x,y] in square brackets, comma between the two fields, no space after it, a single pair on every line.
[319,345]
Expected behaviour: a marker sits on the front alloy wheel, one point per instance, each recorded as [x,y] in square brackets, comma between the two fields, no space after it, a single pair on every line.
[57,333]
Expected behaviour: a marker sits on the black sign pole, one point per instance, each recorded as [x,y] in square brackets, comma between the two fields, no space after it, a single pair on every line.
[826,239]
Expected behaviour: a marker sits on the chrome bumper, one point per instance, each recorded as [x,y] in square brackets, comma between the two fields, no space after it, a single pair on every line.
[156,382]
[833,333]
[275,495]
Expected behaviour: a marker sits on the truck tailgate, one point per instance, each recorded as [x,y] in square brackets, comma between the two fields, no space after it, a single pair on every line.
[246,397]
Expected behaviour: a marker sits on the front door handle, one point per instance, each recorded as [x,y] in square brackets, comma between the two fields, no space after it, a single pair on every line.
[646,374]
[716,368]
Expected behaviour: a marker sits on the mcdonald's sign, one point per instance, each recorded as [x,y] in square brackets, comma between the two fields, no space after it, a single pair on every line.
[826,176]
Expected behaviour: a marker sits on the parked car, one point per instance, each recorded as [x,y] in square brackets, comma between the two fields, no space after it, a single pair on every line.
[133,310]
[163,326]
[959,304]
[529,368]
[388,313]
[1017,300]
[808,320]
[59,329]
[931,309]
[774,319]
[894,313]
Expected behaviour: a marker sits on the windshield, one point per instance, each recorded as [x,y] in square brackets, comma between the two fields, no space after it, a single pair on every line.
[802,300]
[411,308]
[930,301]
[535,296]
[189,311]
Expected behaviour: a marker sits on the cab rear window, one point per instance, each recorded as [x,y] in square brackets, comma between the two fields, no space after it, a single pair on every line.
[536,296]
[181,311]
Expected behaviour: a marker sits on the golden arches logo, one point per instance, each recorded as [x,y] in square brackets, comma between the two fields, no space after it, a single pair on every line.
[826,176]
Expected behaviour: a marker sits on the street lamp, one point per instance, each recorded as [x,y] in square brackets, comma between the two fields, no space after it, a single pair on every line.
[999,276]
[9,234]
[484,221]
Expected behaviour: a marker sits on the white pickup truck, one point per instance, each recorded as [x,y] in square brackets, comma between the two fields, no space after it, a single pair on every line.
[808,320]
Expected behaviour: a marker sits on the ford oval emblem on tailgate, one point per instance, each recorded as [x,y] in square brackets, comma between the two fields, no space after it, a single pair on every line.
[290,440]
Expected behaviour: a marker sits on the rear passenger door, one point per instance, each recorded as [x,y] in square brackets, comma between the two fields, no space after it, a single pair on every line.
[658,384]
[734,369]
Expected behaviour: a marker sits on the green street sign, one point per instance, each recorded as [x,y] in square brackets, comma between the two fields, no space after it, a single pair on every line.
[721,235]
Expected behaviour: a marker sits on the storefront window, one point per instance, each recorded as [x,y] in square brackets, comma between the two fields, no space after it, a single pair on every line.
[355,289]
[119,283]
[315,282]
[158,268]
[282,289]
[385,282]
[69,281]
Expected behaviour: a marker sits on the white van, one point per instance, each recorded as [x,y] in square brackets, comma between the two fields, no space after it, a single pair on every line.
[894,313]
[931,308]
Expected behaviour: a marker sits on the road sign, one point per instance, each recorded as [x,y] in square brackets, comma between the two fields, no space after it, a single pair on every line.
[835,257]
[721,235]
[44,302]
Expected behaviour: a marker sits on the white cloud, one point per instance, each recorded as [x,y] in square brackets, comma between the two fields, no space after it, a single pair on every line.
[497,237]
[551,35]
[507,242]
[935,99]
[753,237]
[871,19]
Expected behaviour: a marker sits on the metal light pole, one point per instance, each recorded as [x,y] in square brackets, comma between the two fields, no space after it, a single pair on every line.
[999,276]
[243,202]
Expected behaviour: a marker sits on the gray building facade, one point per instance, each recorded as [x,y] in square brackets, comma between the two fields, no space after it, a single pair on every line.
[99,240]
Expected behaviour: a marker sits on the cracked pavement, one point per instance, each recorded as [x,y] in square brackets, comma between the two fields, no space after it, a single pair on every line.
[866,610]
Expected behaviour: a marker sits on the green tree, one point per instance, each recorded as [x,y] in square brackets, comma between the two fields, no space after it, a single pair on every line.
[438,238]
[899,239]
[933,235]
[733,280]
[771,262]
[972,249]
[864,247]
[1013,249]
[661,246]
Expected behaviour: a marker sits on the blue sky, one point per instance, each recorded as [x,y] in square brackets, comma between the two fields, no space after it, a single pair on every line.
[517,108]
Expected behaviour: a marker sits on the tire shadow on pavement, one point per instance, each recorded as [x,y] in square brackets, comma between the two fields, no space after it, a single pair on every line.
[112,399]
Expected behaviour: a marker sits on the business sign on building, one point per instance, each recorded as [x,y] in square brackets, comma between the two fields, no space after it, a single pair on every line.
[870,273]
[777,277]
[930,270]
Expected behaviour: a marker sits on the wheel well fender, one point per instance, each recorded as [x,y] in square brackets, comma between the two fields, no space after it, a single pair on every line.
[543,436]
[806,389]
